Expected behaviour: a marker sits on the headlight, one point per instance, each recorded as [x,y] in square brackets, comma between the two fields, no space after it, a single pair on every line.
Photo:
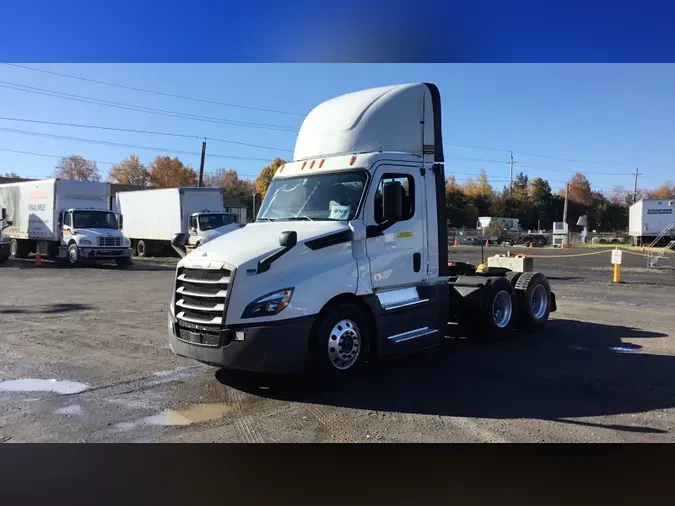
[85,241]
[270,304]
[127,241]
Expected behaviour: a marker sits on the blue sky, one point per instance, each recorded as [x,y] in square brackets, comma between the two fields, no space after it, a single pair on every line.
[617,115]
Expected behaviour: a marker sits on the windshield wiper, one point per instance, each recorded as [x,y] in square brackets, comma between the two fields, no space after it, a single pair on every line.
[299,218]
[266,219]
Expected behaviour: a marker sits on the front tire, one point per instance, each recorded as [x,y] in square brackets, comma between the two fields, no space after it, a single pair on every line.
[141,249]
[17,249]
[340,344]
[73,254]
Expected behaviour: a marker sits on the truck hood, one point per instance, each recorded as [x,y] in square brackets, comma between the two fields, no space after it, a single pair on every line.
[210,235]
[259,239]
[99,232]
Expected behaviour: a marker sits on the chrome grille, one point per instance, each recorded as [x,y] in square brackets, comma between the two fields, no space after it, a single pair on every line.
[201,295]
[109,241]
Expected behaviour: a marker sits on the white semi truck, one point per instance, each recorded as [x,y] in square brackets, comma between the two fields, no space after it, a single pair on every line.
[153,217]
[347,261]
[64,219]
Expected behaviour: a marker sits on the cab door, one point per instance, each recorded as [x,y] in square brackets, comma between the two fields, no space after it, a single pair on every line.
[396,251]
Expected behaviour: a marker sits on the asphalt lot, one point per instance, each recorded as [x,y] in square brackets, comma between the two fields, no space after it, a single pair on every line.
[603,372]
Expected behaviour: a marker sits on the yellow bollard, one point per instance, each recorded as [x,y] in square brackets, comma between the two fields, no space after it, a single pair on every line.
[617,271]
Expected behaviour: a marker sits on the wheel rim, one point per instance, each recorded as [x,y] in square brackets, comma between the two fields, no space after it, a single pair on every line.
[13,249]
[502,308]
[539,301]
[73,255]
[344,344]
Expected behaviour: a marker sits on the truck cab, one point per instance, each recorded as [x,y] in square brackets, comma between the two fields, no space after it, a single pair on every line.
[207,225]
[347,260]
[4,238]
[92,234]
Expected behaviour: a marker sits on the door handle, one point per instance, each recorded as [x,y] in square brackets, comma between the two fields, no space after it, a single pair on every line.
[417,262]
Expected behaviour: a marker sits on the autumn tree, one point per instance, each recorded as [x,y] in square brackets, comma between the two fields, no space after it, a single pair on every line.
[665,191]
[262,182]
[620,195]
[229,180]
[129,171]
[77,167]
[480,194]
[167,172]
[12,175]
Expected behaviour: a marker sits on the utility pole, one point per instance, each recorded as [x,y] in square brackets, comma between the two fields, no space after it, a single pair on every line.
[200,183]
[635,187]
[511,174]
[567,190]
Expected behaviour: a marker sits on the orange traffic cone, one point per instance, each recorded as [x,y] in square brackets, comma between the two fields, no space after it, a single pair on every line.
[38,259]
[530,245]
[454,244]
[487,243]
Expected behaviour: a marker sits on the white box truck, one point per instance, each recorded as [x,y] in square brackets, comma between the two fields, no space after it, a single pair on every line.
[649,218]
[347,261]
[64,219]
[152,217]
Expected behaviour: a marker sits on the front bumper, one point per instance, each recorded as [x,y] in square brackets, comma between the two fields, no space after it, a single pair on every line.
[104,253]
[4,250]
[277,348]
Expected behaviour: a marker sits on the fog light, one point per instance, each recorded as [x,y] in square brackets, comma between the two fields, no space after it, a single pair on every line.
[239,336]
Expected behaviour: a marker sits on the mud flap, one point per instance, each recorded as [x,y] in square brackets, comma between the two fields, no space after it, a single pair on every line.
[552,304]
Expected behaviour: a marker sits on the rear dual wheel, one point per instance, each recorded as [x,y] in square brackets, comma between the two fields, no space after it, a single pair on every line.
[534,298]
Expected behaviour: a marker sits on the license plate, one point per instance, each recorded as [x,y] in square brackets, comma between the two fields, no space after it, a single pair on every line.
[108,252]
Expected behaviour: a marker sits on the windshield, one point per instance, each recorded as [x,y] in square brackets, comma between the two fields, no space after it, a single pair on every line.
[94,219]
[324,197]
[211,221]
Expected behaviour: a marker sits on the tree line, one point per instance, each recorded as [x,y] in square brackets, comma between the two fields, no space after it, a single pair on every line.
[530,200]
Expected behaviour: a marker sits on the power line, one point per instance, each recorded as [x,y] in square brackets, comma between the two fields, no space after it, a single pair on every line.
[155,92]
[133,146]
[185,136]
[538,167]
[572,160]
[136,108]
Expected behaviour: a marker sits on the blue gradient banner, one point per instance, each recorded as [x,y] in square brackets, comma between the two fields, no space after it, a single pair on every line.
[337,31]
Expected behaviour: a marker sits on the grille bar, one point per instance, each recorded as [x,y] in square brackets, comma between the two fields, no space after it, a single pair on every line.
[201,295]
[109,241]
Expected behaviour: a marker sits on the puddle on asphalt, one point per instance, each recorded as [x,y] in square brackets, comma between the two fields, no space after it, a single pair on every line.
[64,387]
[73,409]
[193,414]
[621,349]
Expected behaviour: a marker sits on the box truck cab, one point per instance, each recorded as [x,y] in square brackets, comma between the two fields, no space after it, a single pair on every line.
[4,237]
[64,219]
[347,261]
[154,216]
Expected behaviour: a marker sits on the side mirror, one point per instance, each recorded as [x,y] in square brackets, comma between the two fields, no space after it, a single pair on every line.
[4,213]
[10,223]
[120,221]
[288,239]
[392,201]
[60,222]
[178,242]
[256,205]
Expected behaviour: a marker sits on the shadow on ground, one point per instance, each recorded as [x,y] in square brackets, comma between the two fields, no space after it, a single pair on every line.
[51,264]
[45,309]
[574,369]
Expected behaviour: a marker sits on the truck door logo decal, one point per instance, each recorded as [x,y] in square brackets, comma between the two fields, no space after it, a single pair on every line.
[659,211]
[400,235]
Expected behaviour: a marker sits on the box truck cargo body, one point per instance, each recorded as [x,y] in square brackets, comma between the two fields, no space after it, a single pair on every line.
[153,217]
[648,218]
[347,261]
[64,219]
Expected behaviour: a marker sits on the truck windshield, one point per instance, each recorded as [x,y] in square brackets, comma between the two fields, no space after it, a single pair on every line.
[94,219]
[211,221]
[321,197]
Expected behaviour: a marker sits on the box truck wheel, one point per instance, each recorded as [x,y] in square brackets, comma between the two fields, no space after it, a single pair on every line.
[73,254]
[340,344]
[18,249]
[141,248]
[534,295]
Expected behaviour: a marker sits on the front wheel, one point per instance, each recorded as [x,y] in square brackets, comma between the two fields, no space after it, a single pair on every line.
[73,254]
[340,344]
